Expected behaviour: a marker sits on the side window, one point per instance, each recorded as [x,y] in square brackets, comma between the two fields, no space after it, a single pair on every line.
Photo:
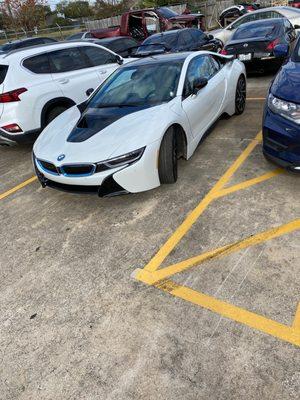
[275,14]
[241,21]
[98,56]
[200,67]
[38,64]
[67,60]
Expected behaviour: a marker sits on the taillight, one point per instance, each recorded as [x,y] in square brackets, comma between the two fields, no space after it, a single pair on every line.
[12,128]
[224,52]
[11,96]
[271,45]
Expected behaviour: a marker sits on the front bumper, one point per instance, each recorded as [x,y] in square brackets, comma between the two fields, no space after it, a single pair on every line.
[140,176]
[7,139]
[281,140]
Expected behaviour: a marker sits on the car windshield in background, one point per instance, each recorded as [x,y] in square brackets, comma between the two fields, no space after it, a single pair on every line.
[6,47]
[142,85]
[167,12]
[253,31]
[158,43]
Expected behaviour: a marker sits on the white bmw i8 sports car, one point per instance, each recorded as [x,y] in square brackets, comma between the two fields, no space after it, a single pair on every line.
[129,134]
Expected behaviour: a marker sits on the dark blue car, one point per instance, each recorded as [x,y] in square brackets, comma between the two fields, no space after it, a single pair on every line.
[281,121]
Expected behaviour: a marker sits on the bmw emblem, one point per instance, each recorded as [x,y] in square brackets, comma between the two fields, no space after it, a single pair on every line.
[61,157]
[246,45]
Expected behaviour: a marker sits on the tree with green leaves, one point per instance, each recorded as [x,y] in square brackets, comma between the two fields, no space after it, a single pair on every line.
[75,9]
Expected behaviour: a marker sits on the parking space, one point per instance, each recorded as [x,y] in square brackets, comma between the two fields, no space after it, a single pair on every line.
[189,291]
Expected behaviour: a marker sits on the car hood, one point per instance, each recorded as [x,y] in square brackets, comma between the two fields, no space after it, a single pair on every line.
[286,85]
[122,134]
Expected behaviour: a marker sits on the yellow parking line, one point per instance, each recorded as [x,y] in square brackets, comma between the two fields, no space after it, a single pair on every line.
[18,187]
[175,238]
[155,276]
[296,323]
[250,182]
[256,321]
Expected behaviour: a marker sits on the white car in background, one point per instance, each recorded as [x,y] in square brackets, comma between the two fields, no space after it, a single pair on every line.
[40,82]
[128,136]
[291,13]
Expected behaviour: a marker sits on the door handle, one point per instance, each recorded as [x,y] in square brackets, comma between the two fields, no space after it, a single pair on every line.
[103,72]
[63,81]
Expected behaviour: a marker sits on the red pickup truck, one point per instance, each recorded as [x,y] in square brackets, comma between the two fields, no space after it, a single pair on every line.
[142,23]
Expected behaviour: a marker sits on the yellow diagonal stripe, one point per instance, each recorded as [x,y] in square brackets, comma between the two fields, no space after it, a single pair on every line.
[163,273]
[18,187]
[249,182]
[175,238]
[256,321]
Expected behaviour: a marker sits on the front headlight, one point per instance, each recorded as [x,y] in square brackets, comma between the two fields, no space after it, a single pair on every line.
[125,159]
[286,109]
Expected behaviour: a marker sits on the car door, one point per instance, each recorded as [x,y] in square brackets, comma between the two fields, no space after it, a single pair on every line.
[72,73]
[203,108]
[101,60]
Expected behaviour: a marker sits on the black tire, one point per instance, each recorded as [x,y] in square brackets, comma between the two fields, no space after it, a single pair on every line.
[240,95]
[167,161]
[53,113]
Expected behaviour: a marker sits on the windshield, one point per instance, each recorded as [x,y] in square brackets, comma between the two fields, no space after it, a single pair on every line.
[252,31]
[134,86]
[6,47]
[168,39]
[167,12]
[151,45]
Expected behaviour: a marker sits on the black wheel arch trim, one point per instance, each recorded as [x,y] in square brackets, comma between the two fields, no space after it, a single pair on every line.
[57,101]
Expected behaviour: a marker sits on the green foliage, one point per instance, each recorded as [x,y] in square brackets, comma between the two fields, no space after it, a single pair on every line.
[75,9]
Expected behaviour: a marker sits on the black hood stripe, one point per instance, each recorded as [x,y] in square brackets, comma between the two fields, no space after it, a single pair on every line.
[94,120]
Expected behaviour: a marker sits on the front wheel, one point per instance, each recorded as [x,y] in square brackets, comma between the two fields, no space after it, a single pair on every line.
[167,160]
[240,96]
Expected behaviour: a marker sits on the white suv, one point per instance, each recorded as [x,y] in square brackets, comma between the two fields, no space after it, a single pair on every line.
[39,83]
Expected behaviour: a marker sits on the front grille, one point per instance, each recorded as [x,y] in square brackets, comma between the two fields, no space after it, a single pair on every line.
[49,167]
[78,169]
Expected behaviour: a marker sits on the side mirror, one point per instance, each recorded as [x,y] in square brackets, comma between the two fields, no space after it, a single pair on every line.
[210,37]
[297,26]
[281,51]
[89,92]
[199,84]
[119,60]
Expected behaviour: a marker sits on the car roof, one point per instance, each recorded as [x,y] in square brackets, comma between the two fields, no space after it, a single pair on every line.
[273,21]
[40,48]
[286,11]
[173,31]
[111,39]
[26,39]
